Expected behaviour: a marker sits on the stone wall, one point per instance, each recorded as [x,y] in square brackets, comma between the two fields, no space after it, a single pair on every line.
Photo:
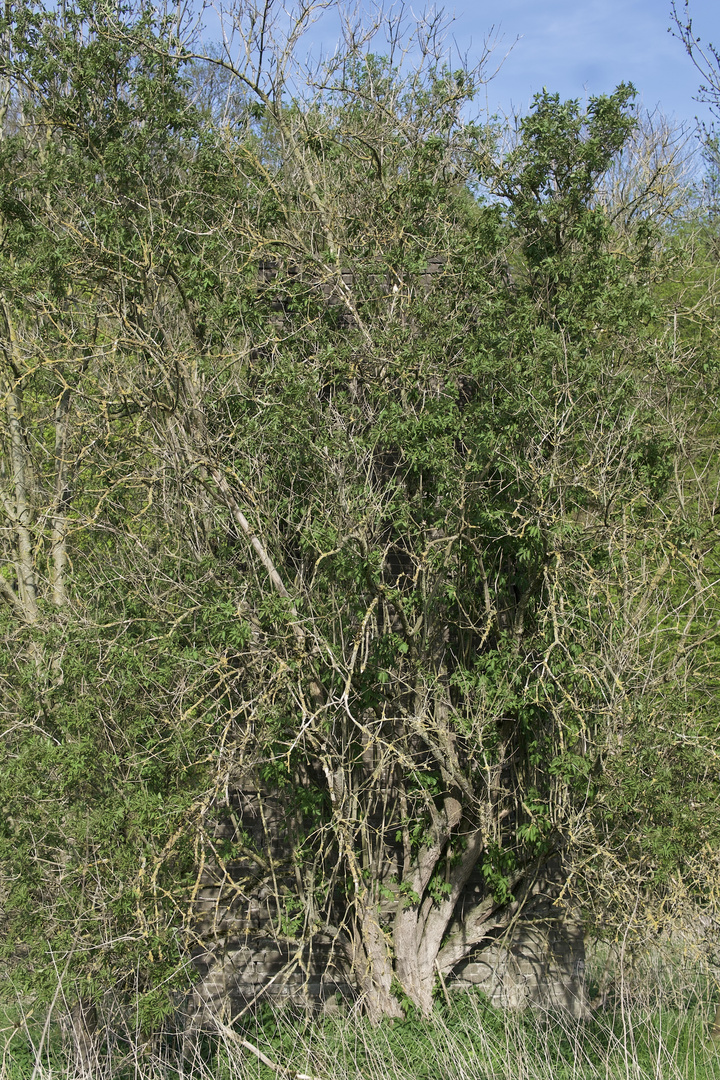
[541,964]
[235,974]
[534,956]
[535,967]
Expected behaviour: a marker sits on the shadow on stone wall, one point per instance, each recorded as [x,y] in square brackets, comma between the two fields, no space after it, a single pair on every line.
[533,956]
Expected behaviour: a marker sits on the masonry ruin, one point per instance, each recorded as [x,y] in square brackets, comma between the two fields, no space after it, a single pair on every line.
[533,955]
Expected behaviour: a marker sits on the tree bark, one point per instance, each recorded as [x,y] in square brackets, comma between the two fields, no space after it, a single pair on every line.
[58,535]
[421,927]
[372,965]
[83,1032]
[715,1029]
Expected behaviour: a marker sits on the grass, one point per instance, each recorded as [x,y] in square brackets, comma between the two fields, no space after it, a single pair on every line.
[655,1028]
[470,1039]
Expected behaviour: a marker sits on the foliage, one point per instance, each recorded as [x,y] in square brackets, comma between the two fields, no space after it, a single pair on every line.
[351,459]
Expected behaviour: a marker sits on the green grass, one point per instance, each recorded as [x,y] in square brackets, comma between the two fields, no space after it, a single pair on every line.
[663,1037]
[469,1039]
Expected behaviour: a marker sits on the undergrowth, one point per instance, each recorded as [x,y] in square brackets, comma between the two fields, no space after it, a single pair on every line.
[661,1035]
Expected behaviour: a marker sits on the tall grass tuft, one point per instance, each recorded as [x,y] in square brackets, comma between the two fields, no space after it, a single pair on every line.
[651,1021]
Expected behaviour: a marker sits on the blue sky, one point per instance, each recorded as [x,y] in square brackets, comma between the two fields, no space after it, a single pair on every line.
[574,47]
[579,47]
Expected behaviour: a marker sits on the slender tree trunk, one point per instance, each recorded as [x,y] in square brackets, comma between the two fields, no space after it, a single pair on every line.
[84,1032]
[372,965]
[715,1029]
[58,553]
[18,500]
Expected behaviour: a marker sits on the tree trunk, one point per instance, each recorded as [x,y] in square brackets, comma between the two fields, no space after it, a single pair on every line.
[83,1032]
[58,536]
[421,928]
[715,1029]
[415,959]
[372,966]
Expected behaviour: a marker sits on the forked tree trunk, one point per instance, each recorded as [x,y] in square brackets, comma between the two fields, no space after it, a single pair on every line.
[421,927]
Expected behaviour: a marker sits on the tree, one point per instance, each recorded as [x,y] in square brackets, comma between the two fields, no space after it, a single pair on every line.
[704,57]
[84,770]
[373,489]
